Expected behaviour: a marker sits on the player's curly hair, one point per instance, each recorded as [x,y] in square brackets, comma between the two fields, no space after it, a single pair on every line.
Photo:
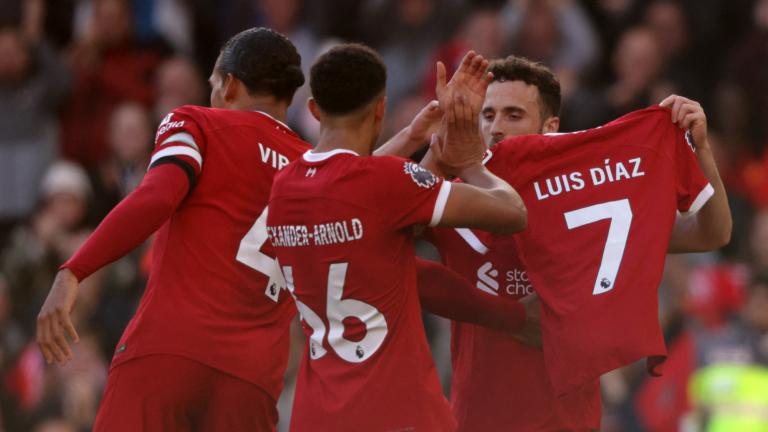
[346,78]
[265,61]
[515,68]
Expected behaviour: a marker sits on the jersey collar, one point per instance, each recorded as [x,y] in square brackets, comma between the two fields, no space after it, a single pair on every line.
[278,121]
[312,156]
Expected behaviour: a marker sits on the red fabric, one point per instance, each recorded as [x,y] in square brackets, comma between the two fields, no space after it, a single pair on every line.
[497,383]
[122,74]
[132,221]
[171,393]
[446,293]
[661,402]
[200,301]
[594,323]
[367,365]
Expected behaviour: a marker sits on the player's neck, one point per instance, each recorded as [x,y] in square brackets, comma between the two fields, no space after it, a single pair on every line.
[267,104]
[356,139]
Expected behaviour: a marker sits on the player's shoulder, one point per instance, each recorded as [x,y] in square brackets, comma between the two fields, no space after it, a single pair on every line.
[394,170]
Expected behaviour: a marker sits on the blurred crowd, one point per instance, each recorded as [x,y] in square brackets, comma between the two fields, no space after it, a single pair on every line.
[84,83]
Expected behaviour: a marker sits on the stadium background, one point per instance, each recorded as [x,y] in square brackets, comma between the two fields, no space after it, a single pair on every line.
[84,83]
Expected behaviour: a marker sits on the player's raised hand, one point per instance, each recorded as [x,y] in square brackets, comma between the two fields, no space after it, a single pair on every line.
[530,334]
[461,145]
[53,321]
[426,122]
[689,115]
[470,79]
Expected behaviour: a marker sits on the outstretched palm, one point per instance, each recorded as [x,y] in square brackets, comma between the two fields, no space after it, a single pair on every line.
[470,79]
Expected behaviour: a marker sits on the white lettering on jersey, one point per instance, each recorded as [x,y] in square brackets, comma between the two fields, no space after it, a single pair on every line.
[167,124]
[273,158]
[608,173]
[320,235]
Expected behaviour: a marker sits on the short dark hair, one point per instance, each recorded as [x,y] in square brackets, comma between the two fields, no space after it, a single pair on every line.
[346,78]
[515,68]
[264,60]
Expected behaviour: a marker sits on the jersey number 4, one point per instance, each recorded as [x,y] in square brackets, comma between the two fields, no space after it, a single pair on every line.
[249,253]
[620,214]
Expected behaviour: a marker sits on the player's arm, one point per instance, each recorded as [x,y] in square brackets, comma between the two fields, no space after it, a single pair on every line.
[175,164]
[483,200]
[414,136]
[710,227]
[128,225]
[446,293]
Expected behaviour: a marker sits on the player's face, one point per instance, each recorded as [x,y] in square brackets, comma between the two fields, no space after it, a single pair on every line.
[511,108]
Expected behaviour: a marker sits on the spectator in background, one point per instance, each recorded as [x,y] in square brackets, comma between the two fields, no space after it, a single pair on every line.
[668,22]
[55,425]
[110,68]
[56,229]
[748,70]
[759,242]
[482,32]
[638,64]
[406,32]
[33,83]
[555,32]
[729,389]
[177,82]
[130,142]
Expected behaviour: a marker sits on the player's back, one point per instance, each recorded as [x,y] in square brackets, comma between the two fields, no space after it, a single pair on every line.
[208,297]
[340,225]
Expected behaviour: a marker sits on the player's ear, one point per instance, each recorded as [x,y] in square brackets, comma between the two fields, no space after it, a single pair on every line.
[551,125]
[230,88]
[313,108]
[381,108]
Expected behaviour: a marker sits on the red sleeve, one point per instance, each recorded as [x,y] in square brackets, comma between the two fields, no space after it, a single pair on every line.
[445,293]
[407,193]
[132,221]
[693,187]
[180,140]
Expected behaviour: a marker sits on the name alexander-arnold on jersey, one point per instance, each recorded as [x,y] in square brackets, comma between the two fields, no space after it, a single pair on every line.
[610,172]
[328,233]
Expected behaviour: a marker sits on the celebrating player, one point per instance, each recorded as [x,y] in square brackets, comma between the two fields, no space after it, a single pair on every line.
[340,221]
[499,384]
[208,345]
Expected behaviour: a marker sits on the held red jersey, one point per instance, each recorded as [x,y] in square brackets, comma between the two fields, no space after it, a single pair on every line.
[212,294]
[341,227]
[497,383]
[601,207]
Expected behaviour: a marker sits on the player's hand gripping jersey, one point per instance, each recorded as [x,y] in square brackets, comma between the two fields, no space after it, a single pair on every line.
[341,226]
[209,293]
[601,206]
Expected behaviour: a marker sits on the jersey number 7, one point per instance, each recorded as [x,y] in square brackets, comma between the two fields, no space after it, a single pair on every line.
[620,214]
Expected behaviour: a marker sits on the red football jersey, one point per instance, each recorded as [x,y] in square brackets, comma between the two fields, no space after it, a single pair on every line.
[341,227]
[497,383]
[601,207]
[212,294]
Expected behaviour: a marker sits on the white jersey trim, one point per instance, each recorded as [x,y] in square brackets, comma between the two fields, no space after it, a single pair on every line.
[442,199]
[472,240]
[178,151]
[700,200]
[181,137]
[312,156]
